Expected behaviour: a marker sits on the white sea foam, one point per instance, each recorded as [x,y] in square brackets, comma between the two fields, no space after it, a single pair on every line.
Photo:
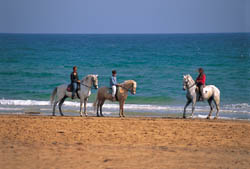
[205,116]
[243,108]
[10,109]
[23,102]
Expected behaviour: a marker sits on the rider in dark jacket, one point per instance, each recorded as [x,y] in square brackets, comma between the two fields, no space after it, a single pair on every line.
[74,81]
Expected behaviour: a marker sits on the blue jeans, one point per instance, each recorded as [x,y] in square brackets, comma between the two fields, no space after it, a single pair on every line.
[74,87]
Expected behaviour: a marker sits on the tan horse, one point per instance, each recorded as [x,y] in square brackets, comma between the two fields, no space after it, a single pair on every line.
[103,94]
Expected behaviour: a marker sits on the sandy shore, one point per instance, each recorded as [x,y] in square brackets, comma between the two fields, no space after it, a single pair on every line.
[74,142]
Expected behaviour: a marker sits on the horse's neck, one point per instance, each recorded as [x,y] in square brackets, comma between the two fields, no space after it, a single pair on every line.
[191,85]
[86,83]
[126,85]
[123,88]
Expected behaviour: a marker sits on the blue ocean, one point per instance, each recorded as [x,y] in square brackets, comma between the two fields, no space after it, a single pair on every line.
[32,65]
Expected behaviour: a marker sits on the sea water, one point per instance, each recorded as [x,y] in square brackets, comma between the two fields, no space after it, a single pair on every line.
[32,65]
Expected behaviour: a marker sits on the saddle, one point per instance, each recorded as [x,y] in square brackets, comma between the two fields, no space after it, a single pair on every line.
[70,89]
[110,92]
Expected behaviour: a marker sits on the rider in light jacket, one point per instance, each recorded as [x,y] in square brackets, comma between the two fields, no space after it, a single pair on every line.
[113,84]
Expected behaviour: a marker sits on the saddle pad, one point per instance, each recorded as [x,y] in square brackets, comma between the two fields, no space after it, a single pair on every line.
[69,88]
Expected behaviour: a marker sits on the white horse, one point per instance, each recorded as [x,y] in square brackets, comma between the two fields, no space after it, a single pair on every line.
[209,93]
[84,93]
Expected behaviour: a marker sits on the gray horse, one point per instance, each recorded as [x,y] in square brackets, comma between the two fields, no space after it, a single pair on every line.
[210,93]
[84,93]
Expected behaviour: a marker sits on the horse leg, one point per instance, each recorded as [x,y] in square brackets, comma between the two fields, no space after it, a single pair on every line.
[97,110]
[211,108]
[121,109]
[54,108]
[60,105]
[101,108]
[85,107]
[81,107]
[193,107]
[184,112]
[217,103]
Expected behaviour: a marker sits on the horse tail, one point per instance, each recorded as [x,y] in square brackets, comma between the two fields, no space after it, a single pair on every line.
[52,97]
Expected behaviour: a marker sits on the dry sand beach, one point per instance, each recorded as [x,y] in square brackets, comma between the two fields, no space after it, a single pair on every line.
[111,142]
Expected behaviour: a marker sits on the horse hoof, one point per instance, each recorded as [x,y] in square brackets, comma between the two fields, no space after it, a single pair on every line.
[208,117]
[215,118]
[184,117]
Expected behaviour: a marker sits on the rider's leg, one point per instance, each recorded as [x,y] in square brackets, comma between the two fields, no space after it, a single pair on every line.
[201,90]
[113,92]
[199,85]
[74,86]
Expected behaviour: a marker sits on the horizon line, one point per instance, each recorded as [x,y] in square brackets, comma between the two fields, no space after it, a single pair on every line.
[43,33]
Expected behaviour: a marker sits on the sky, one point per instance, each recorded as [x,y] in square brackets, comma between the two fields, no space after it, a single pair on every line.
[124,16]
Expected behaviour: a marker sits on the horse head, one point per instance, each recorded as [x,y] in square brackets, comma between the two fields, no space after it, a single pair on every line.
[95,81]
[186,81]
[133,90]
[91,80]
[130,85]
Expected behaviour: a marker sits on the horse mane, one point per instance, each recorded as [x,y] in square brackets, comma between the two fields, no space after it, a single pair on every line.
[85,78]
[128,81]
[190,78]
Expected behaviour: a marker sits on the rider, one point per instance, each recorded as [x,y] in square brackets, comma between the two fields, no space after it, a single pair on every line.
[74,81]
[113,84]
[200,82]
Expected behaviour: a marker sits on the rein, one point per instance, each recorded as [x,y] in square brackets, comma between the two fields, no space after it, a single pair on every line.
[188,87]
[87,86]
[127,88]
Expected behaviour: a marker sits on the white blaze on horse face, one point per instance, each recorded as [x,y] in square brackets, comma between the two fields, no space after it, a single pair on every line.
[184,82]
[96,81]
[134,88]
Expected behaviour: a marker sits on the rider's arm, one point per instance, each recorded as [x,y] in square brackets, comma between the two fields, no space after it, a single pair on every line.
[203,80]
[113,81]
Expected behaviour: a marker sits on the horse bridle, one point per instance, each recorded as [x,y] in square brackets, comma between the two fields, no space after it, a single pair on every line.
[186,84]
[87,85]
[128,89]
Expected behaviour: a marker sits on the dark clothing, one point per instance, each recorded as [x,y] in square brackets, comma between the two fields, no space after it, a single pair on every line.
[74,77]
[74,82]
[200,86]
[74,87]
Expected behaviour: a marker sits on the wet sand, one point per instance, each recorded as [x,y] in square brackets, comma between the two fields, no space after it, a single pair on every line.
[111,142]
